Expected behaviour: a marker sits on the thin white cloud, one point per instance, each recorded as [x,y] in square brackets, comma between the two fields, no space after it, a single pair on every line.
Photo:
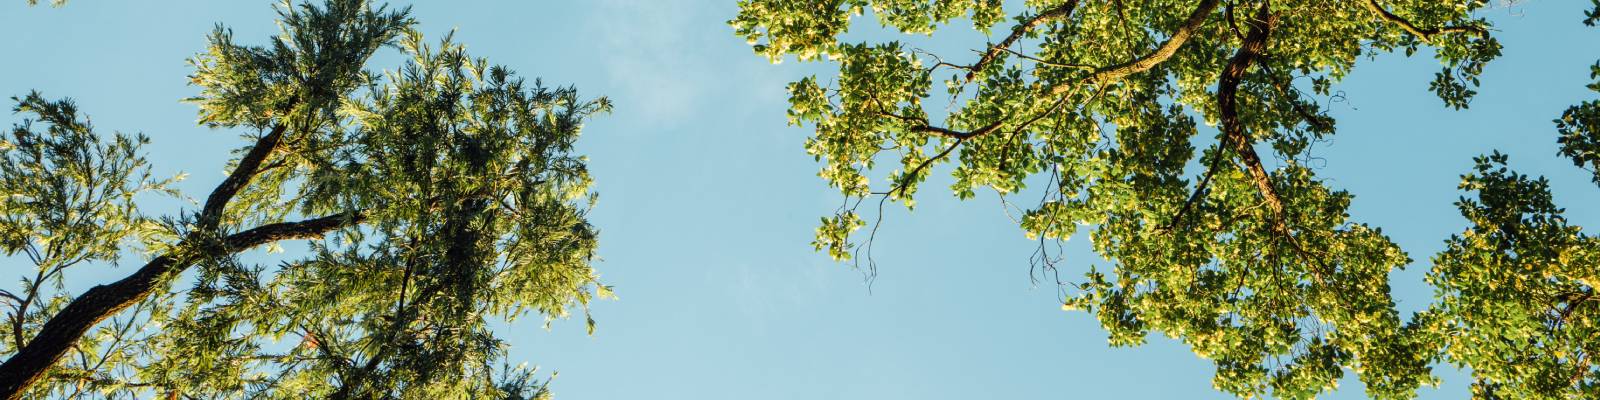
[649,52]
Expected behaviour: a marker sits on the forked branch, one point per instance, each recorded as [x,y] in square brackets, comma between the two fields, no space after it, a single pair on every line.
[1227,106]
[65,328]
[1167,49]
[1426,34]
[1062,11]
[1255,43]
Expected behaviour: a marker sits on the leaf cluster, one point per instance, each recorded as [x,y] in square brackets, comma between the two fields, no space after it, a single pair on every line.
[1102,109]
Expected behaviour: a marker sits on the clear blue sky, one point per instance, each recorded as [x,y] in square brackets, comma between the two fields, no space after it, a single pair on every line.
[707,200]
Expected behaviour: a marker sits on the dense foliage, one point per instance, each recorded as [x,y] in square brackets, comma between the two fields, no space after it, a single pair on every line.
[1516,290]
[443,195]
[439,197]
[1257,267]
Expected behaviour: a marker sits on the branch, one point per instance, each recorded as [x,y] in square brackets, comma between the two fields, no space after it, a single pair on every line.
[211,215]
[457,227]
[905,182]
[1061,11]
[1425,34]
[1160,55]
[1233,134]
[305,229]
[958,134]
[921,125]
[1292,96]
[100,302]
[1227,105]
[1216,162]
[1049,63]
[1114,72]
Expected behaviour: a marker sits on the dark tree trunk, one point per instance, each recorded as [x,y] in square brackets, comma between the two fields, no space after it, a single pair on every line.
[64,329]
[101,302]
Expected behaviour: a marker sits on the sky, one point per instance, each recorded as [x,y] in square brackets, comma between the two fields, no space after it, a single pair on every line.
[708,201]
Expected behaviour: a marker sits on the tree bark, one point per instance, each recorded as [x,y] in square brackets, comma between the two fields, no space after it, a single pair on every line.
[101,302]
[64,329]
[1227,106]
[1426,34]
[1058,12]
[1160,55]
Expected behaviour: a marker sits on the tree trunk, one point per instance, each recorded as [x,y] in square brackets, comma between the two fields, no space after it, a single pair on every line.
[101,302]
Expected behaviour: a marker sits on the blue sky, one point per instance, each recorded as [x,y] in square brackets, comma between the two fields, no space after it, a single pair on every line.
[707,200]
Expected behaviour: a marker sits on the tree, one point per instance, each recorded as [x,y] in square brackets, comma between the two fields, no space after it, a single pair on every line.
[435,198]
[1256,267]
[1517,301]
[1515,291]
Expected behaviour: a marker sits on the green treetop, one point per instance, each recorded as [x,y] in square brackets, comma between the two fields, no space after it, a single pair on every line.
[438,197]
[1515,292]
[1517,302]
[1257,267]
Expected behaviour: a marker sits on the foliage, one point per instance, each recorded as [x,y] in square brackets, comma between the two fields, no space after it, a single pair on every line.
[1515,291]
[1579,127]
[452,182]
[1102,105]
[69,200]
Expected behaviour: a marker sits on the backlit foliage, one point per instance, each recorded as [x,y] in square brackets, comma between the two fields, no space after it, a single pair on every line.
[1101,106]
[1517,291]
[1517,302]
[454,183]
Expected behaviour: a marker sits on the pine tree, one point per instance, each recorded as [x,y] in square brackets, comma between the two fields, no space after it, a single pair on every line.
[435,197]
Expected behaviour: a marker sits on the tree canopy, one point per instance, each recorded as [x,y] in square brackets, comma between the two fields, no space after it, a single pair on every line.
[436,197]
[439,196]
[1108,108]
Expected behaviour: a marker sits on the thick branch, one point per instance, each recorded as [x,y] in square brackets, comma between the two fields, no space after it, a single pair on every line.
[100,302]
[305,229]
[1234,137]
[1058,12]
[1148,61]
[66,327]
[1227,105]
[1425,34]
